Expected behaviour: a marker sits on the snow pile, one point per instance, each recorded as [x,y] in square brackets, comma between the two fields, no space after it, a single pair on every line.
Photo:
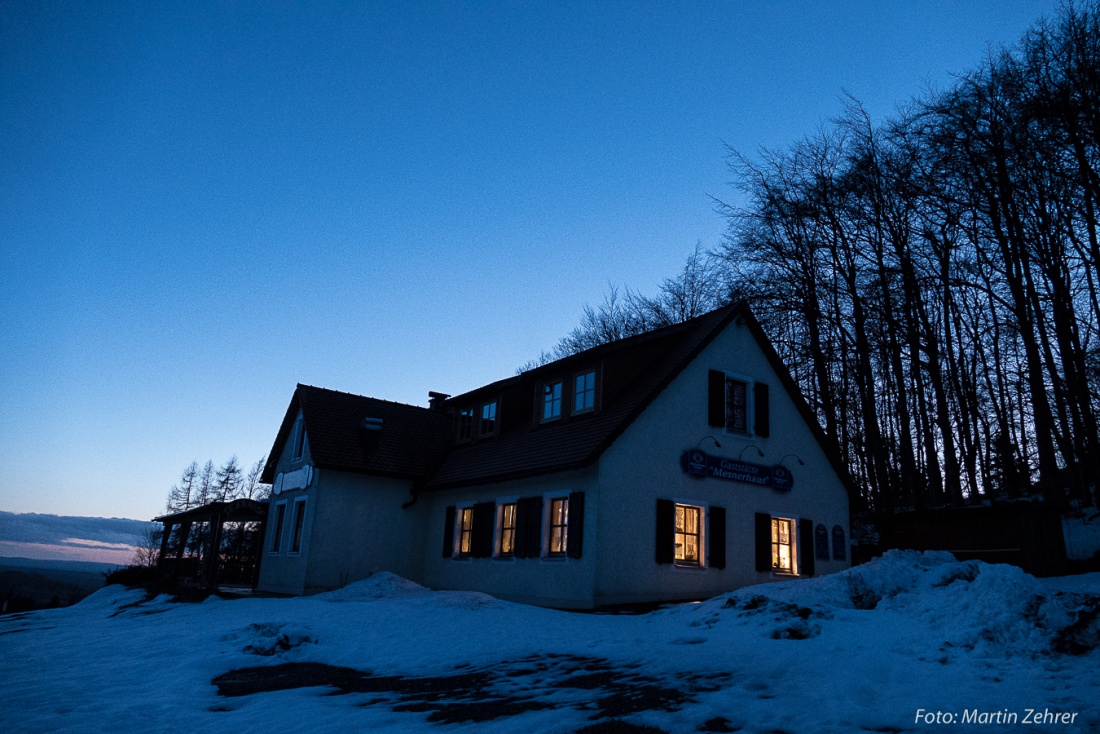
[384,585]
[864,650]
[993,609]
[111,599]
[268,638]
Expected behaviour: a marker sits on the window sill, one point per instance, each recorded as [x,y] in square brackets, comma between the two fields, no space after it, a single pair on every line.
[689,566]
[504,559]
[554,559]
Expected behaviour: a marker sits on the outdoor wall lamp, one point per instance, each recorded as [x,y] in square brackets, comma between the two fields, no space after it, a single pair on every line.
[712,438]
[754,447]
[796,456]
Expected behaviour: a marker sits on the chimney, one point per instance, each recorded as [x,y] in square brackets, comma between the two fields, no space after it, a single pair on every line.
[436,400]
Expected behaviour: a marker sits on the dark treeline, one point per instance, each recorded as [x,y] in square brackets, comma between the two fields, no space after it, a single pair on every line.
[198,487]
[933,282]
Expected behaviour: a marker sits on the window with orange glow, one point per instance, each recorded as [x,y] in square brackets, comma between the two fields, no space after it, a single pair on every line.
[783,545]
[465,530]
[559,526]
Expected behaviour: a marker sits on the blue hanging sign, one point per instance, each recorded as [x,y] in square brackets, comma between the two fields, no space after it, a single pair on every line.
[697,463]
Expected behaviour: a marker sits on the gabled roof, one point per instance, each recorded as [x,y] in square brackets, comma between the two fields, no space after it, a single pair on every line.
[411,442]
[635,370]
[418,442]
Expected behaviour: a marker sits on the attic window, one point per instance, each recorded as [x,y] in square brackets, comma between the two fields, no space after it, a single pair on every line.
[551,401]
[738,404]
[584,392]
[465,424]
[488,419]
[372,433]
[299,439]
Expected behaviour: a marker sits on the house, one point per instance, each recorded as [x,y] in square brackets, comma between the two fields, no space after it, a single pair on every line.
[672,465]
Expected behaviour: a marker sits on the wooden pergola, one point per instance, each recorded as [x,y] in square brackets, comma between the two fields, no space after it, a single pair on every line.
[205,570]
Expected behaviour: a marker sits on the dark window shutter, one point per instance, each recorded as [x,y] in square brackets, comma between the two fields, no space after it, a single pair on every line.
[717,537]
[763,526]
[666,531]
[716,398]
[761,410]
[482,540]
[805,547]
[575,540]
[449,532]
[821,543]
[534,528]
[521,527]
[529,527]
[839,544]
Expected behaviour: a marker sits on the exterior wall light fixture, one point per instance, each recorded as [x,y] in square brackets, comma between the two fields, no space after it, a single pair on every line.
[755,448]
[712,438]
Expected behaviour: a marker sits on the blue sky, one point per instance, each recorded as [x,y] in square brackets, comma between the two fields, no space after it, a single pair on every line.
[202,204]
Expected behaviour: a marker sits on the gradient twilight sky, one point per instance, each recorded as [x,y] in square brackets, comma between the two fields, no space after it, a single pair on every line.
[202,204]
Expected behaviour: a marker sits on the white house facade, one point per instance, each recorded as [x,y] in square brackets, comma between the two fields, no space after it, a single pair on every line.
[668,466]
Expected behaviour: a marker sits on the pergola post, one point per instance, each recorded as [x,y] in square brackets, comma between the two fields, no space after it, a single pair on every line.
[165,536]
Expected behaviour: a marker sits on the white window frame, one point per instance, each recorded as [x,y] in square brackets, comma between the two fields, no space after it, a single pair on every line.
[456,551]
[547,508]
[277,529]
[587,408]
[795,570]
[498,529]
[704,522]
[298,516]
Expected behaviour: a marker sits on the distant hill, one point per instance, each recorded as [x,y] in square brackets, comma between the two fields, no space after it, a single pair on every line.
[28,583]
[89,566]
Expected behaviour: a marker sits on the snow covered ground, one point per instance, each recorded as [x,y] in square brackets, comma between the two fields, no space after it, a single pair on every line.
[910,642]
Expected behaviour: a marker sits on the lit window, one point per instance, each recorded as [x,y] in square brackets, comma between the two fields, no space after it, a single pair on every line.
[299,524]
[280,516]
[737,406]
[507,529]
[783,545]
[584,392]
[559,526]
[688,534]
[488,418]
[551,401]
[465,530]
[465,424]
[299,438]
